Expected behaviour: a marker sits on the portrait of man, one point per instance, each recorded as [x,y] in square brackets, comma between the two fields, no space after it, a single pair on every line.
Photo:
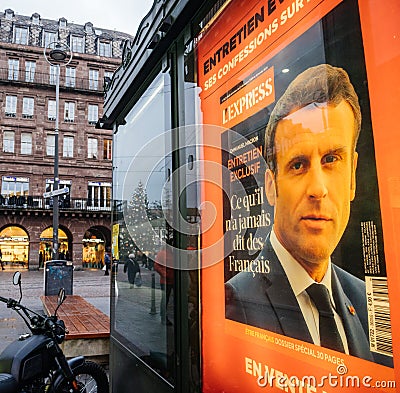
[310,150]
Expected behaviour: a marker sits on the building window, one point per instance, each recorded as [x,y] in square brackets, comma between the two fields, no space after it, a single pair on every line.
[8,141]
[77,44]
[68,146]
[26,143]
[27,107]
[93,114]
[49,37]
[9,14]
[53,75]
[30,67]
[99,195]
[14,186]
[21,36]
[35,19]
[70,74]
[105,49]
[13,68]
[92,148]
[107,155]
[50,145]
[62,22]
[93,79]
[51,110]
[11,106]
[69,112]
[61,184]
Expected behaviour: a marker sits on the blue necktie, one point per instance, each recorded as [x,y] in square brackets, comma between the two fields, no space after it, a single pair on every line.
[328,331]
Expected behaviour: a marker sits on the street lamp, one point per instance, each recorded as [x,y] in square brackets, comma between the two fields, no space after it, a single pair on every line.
[56,54]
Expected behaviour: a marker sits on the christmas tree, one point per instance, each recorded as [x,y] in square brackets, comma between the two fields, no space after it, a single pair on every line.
[142,221]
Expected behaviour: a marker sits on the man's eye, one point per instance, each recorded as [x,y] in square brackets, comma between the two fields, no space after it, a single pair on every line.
[297,165]
[331,158]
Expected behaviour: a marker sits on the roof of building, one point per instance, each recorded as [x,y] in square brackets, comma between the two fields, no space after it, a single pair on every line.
[55,25]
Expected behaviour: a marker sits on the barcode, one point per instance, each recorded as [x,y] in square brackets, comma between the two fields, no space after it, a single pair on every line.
[380,333]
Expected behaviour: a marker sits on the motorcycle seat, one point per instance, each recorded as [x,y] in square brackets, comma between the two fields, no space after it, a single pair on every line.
[8,383]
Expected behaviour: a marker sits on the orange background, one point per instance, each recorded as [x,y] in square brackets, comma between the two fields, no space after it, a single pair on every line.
[225,344]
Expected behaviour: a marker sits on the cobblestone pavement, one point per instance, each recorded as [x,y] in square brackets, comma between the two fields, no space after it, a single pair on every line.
[92,285]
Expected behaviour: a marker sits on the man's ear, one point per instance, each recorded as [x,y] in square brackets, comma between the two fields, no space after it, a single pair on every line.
[270,187]
[353,177]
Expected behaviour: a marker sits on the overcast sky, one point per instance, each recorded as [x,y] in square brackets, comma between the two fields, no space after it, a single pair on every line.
[120,15]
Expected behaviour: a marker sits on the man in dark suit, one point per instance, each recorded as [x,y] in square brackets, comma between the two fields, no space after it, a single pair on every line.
[310,149]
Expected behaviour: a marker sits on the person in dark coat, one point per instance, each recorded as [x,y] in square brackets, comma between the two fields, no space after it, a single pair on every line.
[1,260]
[132,267]
[107,263]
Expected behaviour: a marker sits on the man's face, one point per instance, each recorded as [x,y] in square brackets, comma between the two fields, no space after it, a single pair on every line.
[315,181]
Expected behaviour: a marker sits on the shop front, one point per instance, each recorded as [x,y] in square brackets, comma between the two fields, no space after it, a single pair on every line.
[14,247]
[94,247]
[254,160]
[46,244]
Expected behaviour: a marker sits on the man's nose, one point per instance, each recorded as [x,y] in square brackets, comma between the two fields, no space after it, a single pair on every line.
[316,187]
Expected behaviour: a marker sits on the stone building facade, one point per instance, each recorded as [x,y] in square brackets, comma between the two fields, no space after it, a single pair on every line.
[27,139]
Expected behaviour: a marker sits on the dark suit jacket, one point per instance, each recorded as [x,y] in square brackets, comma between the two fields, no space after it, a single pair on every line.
[267,301]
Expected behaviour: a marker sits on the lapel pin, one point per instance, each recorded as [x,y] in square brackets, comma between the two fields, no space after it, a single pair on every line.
[351,309]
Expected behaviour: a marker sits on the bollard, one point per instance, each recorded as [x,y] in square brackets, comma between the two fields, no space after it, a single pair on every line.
[153,294]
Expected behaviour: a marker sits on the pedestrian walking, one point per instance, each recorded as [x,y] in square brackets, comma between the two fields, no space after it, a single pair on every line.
[107,263]
[131,267]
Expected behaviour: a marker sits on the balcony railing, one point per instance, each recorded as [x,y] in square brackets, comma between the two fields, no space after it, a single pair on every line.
[40,203]
[43,79]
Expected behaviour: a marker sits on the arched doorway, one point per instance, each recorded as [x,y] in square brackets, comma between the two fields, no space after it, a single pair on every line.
[46,245]
[14,245]
[94,244]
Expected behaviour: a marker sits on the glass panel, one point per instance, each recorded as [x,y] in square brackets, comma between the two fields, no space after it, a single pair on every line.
[27,107]
[70,73]
[77,44]
[93,79]
[92,148]
[144,316]
[50,145]
[98,195]
[14,248]
[68,146]
[53,75]
[13,67]
[21,36]
[26,143]
[48,38]
[105,49]
[30,67]
[69,112]
[93,114]
[11,106]
[8,141]
[51,111]
[107,153]
[14,186]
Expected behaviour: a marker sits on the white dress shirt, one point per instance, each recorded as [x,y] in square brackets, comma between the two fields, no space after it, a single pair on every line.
[299,281]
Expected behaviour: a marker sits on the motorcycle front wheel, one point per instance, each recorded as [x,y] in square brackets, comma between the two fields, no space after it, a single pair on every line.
[91,378]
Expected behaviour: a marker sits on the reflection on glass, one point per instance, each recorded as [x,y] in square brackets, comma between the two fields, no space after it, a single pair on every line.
[143,318]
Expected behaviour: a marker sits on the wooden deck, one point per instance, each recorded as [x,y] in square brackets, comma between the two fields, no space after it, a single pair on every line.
[82,319]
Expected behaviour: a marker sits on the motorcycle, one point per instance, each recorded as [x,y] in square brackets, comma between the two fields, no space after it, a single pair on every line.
[35,363]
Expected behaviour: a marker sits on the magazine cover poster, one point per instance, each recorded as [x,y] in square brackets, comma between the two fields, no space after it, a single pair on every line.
[301,199]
